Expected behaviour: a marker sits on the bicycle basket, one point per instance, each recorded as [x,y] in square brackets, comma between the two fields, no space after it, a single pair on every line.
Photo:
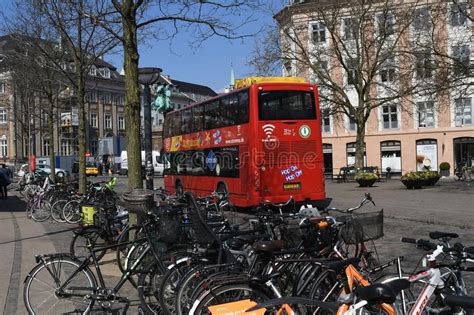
[168,226]
[362,227]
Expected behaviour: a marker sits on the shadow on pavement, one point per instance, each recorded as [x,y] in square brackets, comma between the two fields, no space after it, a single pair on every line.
[12,204]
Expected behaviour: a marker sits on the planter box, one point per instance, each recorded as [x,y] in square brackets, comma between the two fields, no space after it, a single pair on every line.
[366,182]
[413,184]
[432,181]
[444,173]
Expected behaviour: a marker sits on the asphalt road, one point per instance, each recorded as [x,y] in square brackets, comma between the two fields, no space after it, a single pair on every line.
[409,213]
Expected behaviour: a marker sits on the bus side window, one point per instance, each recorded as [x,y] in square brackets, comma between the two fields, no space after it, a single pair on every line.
[243,108]
[176,124]
[212,115]
[198,118]
[186,121]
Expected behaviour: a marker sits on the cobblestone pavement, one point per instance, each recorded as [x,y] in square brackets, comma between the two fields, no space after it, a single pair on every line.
[448,206]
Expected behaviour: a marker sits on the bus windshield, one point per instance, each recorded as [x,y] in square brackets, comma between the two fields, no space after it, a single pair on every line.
[286,105]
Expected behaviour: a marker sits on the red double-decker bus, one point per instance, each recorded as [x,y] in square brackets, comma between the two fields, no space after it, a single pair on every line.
[259,142]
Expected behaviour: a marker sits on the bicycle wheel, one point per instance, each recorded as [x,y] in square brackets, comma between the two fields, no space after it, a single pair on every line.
[123,250]
[168,286]
[40,211]
[41,291]
[72,212]
[226,294]
[148,286]
[78,246]
[57,211]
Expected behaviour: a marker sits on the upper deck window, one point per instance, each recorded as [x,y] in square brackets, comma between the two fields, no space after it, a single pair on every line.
[286,105]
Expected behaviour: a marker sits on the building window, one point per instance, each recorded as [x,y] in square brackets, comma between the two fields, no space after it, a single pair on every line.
[318,31]
[3,146]
[386,23]
[45,148]
[93,120]
[107,98]
[121,123]
[458,14]
[427,154]
[388,72]
[3,115]
[325,120]
[105,72]
[120,99]
[67,147]
[423,65]
[93,71]
[390,116]
[461,59]
[94,144]
[350,29]
[351,71]
[108,121]
[351,124]
[2,87]
[160,122]
[93,96]
[426,114]
[463,108]
[422,19]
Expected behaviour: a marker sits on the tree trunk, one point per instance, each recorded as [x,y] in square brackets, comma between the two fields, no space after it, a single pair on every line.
[52,157]
[82,129]
[132,98]
[360,146]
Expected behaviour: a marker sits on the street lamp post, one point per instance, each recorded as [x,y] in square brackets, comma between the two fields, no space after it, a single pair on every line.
[147,77]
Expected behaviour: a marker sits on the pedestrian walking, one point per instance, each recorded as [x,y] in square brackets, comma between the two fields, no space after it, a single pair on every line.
[4,181]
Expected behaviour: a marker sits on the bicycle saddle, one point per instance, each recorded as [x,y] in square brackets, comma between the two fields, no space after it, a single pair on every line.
[268,246]
[383,292]
[437,235]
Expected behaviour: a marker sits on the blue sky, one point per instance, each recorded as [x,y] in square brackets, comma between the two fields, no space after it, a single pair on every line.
[209,64]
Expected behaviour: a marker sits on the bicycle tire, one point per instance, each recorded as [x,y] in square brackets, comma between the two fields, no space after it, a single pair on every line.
[122,250]
[57,210]
[42,213]
[147,286]
[71,212]
[168,285]
[65,264]
[79,250]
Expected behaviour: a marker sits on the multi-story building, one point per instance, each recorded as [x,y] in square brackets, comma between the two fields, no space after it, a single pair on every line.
[24,120]
[436,130]
[182,95]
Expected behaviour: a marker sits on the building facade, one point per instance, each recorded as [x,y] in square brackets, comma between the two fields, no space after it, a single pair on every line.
[182,94]
[24,114]
[436,130]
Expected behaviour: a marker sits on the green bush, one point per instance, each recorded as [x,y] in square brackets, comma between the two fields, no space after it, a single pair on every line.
[366,176]
[444,166]
[413,176]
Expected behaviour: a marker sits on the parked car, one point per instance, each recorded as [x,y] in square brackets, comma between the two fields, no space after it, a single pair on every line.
[47,169]
[92,169]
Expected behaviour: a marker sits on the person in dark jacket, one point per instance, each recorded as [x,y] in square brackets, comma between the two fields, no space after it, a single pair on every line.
[4,181]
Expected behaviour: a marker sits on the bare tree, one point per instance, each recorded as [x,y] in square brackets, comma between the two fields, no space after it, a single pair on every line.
[134,19]
[70,43]
[363,55]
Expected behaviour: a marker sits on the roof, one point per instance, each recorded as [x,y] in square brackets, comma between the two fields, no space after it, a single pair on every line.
[187,87]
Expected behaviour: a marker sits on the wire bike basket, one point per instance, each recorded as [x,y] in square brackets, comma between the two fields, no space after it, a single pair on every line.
[361,227]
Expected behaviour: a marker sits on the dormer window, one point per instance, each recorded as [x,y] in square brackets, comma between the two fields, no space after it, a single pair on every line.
[106,73]
[93,71]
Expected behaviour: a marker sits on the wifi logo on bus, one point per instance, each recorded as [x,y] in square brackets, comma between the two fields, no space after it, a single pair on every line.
[268,129]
